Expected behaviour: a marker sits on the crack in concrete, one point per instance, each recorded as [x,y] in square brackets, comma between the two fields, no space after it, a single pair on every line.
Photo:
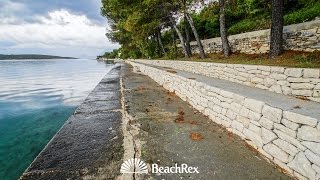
[131,145]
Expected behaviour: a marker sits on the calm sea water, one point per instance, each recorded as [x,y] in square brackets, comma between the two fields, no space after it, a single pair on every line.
[36,98]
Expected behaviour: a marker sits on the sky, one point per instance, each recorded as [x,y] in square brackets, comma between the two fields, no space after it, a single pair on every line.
[56,27]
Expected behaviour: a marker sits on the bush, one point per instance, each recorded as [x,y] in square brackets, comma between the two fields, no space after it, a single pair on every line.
[305,14]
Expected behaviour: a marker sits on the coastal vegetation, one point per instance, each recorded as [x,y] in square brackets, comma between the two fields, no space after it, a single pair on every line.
[31,56]
[153,29]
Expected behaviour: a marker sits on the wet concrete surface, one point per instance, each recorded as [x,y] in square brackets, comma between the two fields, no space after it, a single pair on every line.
[171,131]
[90,144]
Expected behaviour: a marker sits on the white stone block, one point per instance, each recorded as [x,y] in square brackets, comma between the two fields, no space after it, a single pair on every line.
[253,137]
[245,121]
[286,90]
[283,83]
[268,82]
[264,153]
[253,105]
[293,72]
[277,69]
[257,80]
[297,80]
[235,107]
[316,168]
[300,119]
[301,86]
[312,157]
[267,135]
[309,134]
[313,146]
[277,76]
[271,113]
[286,130]
[254,116]
[289,124]
[255,129]
[266,123]
[306,93]
[287,147]
[311,73]
[238,99]
[289,139]
[237,125]
[276,88]
[276,152]
[302,165]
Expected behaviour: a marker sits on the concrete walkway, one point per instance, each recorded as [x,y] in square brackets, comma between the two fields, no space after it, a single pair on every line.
[170,131]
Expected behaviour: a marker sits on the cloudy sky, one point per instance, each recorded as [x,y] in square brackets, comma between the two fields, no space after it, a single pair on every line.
[55,27]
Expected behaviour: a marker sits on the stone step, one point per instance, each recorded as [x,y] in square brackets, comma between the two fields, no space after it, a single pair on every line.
[284,129]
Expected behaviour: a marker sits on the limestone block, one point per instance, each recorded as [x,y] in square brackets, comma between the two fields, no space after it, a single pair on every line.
[286,130]
[276,152]
[277,76]
[313,146]
[266,123]
[312,157]
[253,105]
[253,137]
[257,80]
[264,68]
[277,69]
[302,165]
[303,86]
[254,116]
[283,166]
[237,125]
[254,128]
[302,92]
[238,99]
[276,88]
[231,115]
[283,83]
[268,82]
[267,135]
[317,87]
[271,113]
[235,107]
[245,121]
[309,134]
[289,139]
[311,73]
[300,119]
[261,87]
[316,168]
[286,90]
[287,147]
[298,80]
[293,72]
[289,124]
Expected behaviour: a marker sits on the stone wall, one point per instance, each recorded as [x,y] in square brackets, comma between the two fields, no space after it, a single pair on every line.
[297,37]
[289,81]
[289,139]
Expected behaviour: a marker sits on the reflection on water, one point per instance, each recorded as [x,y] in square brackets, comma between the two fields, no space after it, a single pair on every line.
[36,98]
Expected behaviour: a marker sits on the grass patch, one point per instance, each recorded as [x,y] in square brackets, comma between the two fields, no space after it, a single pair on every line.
[287,59]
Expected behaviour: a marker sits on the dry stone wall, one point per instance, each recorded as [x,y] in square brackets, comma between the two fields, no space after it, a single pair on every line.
[288,81]
[289,139]
[297,37]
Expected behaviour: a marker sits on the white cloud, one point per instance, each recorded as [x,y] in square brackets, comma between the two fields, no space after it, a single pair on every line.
[60,29]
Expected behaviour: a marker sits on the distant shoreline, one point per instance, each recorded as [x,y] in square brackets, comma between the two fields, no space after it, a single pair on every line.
[31,56]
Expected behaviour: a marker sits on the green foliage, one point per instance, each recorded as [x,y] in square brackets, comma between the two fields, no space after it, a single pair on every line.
[135,24]
[304,14]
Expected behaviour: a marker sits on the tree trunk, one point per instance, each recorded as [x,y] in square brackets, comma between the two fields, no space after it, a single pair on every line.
[174,41]
[195,33]
[180,37]
[186,29]
[276,42]
[223,30]
[160,41]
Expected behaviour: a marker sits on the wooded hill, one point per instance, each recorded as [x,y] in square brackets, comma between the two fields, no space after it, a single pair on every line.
[153,28]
